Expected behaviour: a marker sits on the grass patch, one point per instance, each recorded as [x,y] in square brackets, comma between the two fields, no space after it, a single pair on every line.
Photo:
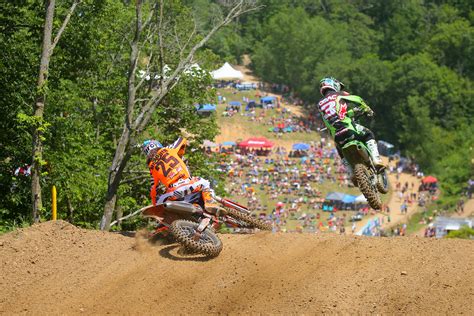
[244,122]
[414,224]
[6,227]
[445,205]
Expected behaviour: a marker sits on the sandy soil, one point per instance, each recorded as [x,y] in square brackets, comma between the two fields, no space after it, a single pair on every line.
[244,68]
[56,268]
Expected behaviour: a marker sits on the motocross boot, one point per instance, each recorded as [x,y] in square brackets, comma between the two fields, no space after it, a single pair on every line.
[374,153]
[210,205]
[349,170]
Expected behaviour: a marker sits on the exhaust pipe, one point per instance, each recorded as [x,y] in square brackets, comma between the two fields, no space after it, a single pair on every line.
[363,153]
[180,207]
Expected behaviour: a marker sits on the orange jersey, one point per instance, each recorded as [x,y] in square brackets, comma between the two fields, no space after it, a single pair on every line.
[167,167]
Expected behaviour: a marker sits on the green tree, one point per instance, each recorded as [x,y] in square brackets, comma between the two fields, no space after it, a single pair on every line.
[406,30]
[371,78]
[464,233]
[165,34]
[299,50]
[20,37]
[38,124]
[85,107]
[452,45]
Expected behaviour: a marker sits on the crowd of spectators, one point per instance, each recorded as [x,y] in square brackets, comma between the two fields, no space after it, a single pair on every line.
[259,152]
[399,230]
[470,188]
[295,177]
[295,182]
[430,231]
[410,195]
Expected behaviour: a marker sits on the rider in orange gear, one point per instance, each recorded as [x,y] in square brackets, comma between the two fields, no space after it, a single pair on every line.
[168,168]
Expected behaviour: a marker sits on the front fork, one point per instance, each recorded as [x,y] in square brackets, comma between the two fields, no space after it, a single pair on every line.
[203,225]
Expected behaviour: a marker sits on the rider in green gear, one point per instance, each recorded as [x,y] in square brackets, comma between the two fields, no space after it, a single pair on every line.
[338,118]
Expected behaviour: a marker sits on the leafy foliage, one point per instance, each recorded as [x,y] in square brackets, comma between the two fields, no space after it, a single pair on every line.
[86,95]
[464,233]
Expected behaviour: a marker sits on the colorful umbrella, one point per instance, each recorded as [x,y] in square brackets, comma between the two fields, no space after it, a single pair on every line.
[430,179]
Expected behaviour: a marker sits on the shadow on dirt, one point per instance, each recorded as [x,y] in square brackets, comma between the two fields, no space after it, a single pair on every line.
[171,252]
[131,234]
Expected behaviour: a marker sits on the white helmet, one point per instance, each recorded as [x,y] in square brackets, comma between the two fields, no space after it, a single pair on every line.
[330,83]
[149,145]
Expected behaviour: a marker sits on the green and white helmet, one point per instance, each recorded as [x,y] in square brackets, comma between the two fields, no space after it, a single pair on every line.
[330,83]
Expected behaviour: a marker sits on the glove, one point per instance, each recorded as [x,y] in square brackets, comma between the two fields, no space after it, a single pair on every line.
[357,110]
[369,112]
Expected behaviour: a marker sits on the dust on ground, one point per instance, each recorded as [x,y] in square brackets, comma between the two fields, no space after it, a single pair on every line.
[56,268]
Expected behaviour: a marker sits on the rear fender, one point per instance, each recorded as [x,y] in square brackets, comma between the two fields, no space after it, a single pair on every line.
[356,152]
[154,211]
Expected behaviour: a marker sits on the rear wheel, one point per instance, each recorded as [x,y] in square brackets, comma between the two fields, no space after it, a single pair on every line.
[366,186]
[185,231]
[248,219]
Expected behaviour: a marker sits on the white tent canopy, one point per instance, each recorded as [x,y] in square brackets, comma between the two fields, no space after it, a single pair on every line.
[226,72]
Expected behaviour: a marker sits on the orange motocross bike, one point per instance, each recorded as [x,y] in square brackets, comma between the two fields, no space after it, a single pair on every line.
[194,228]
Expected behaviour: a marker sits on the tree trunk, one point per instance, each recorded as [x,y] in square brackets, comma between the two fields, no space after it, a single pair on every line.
[119,212]
[122,154]
[109,207]
[39,111]
[38,129]
[115,175]
[70,210]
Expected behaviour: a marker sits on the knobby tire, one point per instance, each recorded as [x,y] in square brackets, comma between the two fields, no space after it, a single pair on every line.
[248,219]
[182,235]
[371,194]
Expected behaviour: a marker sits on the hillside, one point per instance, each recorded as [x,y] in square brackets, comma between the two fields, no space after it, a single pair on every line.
[56,268]
[242,126]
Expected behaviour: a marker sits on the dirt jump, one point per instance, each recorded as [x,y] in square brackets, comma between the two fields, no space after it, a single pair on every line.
[56,268]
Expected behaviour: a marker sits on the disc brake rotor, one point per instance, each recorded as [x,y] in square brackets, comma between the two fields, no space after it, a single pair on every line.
[201,238]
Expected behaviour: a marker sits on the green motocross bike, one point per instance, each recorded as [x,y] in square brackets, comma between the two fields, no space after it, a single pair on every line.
[370,181]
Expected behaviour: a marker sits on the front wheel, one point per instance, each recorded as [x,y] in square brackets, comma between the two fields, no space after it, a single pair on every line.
[185,231]
[367,186]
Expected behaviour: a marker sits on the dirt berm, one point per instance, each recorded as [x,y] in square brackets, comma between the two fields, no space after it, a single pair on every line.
[56,268]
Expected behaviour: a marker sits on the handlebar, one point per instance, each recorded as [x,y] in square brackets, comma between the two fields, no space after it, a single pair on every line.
[359,113]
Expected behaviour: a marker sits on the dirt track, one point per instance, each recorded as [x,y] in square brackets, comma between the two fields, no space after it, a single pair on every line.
[56,268]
